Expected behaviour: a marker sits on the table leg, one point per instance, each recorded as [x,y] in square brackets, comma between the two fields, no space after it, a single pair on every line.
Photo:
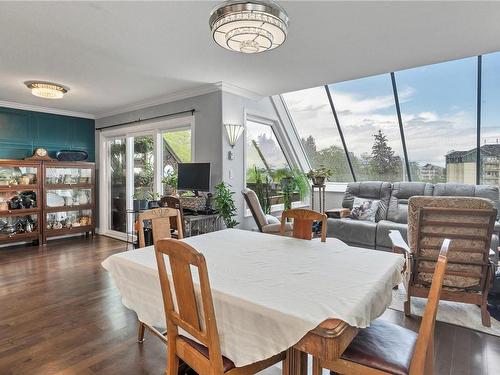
[295,362]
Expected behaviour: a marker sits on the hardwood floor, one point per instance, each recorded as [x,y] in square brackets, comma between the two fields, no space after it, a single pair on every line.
[60,313]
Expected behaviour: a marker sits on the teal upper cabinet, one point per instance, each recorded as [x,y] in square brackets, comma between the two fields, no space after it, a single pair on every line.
[23,131]
[15,127]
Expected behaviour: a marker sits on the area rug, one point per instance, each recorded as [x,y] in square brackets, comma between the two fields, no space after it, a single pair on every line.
[459,314]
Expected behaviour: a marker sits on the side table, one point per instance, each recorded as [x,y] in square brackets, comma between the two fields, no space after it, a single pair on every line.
[321,196]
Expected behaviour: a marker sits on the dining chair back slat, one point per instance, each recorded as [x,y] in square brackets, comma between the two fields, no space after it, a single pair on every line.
[423,356]
[185,312]
[160,223]
[189,305]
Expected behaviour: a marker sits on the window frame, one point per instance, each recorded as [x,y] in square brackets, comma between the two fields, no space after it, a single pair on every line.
[273,123]
[337,186]
[128,132]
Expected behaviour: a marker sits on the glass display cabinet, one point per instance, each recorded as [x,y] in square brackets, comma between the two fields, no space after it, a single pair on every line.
[20,201]
[69,198]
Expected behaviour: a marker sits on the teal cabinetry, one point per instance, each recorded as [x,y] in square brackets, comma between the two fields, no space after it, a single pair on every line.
[22,131]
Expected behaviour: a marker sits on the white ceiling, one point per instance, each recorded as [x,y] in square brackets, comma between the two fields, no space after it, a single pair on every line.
[115,54]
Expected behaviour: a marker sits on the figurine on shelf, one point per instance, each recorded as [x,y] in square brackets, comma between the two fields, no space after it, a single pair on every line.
[4,206]
[28,199]
[24,180]
[15,203]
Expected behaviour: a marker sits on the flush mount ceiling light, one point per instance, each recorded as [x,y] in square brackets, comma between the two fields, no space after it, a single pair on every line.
[249,26]
[46,90]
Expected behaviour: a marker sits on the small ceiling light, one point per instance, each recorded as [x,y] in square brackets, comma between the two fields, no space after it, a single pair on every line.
[233,132]
[249,26]
[46,90]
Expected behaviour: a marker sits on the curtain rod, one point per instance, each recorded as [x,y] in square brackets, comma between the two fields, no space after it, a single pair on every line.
[192,111]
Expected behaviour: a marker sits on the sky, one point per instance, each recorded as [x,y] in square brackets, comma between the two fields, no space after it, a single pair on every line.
[438,108]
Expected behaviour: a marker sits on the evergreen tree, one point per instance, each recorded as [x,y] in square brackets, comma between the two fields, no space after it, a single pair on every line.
[383,161]
[310,149]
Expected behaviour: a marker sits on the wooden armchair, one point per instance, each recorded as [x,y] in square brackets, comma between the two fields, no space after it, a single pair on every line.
[204,355]
[469,223]
[160,223]
[386,348]
[302,223]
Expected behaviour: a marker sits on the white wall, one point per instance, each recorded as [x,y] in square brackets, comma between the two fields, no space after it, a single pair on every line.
[210,140]
[234,109]
[207,130]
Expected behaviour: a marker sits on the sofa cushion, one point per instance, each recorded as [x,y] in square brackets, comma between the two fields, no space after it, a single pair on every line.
[401,192]
[353,232]
[370,190]
[463,190]
[383,228]
[364,209]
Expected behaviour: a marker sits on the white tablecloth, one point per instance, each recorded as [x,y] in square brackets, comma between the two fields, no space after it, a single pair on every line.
[268,291]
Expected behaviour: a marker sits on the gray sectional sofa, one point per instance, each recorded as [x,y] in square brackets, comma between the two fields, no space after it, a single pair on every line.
[393,210]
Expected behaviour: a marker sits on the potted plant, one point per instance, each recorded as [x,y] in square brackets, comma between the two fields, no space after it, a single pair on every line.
[170,183]
[292,182]
[140,200]
[263,189]
[224,202]
[153,200]
[319,175]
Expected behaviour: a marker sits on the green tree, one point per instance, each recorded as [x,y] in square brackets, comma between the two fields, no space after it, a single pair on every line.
[383,162]
[310,148]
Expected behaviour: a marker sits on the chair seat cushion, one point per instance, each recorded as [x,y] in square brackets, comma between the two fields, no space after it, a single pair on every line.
[383,346]
[227,364]
[275,228]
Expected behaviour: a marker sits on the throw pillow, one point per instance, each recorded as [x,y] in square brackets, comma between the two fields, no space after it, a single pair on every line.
[364,209]
[272,219]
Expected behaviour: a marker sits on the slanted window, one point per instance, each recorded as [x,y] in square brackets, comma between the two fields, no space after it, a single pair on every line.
[313,119]
[367,115]
[266,165]
[438,105]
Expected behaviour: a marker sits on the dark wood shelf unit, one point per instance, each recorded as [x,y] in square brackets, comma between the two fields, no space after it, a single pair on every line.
[70,208]
[20,237]
[63,231]
[83,229]
[68,186]
[19,212]
[36,187]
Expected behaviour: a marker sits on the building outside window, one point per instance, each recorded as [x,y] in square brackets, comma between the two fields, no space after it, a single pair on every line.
[439,121]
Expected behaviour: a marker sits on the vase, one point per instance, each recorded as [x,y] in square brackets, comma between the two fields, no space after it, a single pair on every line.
[318,180]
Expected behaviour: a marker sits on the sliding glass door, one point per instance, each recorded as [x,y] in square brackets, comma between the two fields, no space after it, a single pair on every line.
[133,165]
[117,184]
[144,167]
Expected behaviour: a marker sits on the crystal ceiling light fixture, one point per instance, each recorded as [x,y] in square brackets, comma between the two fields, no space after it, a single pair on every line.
[46,90]
[249,26]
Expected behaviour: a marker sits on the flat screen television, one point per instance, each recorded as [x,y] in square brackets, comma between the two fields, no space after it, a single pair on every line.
[193,176]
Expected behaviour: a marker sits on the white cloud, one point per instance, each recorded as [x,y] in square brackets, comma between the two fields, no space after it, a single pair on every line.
[429,135]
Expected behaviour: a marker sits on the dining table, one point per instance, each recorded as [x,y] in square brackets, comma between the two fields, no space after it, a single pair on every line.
[272,293]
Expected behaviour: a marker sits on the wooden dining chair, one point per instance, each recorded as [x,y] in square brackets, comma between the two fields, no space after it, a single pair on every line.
[174,202]
[160,225]
[203,355]
[386,348]
[302,223]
